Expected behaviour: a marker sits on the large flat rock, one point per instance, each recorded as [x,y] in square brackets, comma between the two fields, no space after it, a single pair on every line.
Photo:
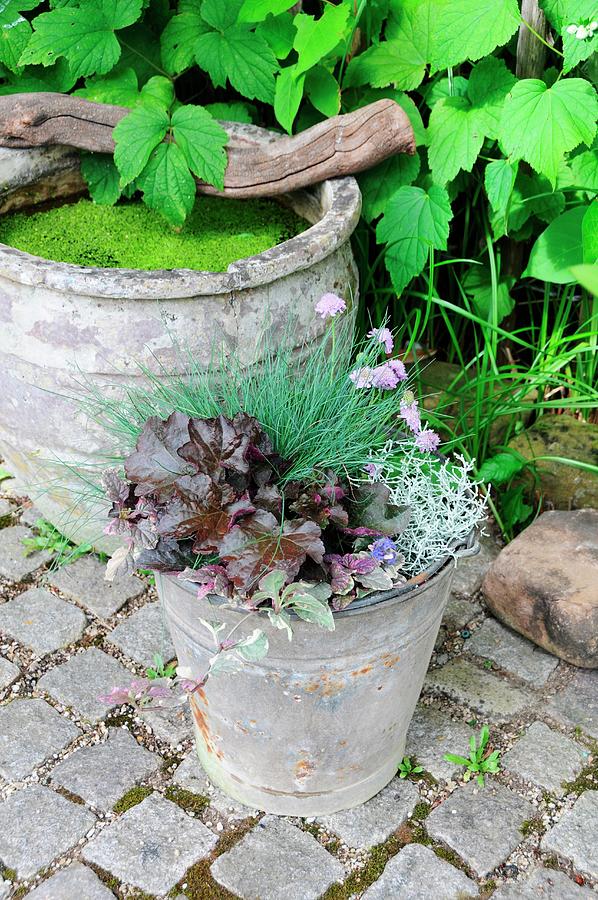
[31,731]
[543,585]
[41,621]
[574,837]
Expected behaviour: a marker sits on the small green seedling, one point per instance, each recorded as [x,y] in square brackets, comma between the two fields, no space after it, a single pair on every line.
[50,539]
[406,768]
[159,669]
[4,474]
[481,761]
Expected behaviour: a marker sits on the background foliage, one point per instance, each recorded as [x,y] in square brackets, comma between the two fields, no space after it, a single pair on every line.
[483,245]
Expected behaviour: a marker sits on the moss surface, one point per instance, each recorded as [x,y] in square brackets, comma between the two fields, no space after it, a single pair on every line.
[134,796]
[131,236]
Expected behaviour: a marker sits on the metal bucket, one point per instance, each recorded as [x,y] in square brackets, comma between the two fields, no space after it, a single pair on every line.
[319,725]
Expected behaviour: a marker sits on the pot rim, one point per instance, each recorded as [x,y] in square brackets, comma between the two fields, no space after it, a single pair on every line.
[469,547]
[340,198]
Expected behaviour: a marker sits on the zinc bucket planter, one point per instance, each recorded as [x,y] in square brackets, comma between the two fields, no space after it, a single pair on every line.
[61,322]
[319,725]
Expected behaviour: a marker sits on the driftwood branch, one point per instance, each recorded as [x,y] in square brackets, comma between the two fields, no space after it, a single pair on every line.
[257,167]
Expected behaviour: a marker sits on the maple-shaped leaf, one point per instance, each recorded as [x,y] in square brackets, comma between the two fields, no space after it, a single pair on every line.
[15,31]
[84,35]
[215,444]
[155,464]
[259,544]
[205,517]
[166,556]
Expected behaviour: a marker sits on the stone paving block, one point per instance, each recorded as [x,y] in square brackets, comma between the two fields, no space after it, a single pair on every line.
[482,825]
[151,846]
[30,516]
[30,732]
[577,704]
[14,564]
[416,873]
[41,621]
[7,511]
[575,835]
[84,582]
[471,570]
[79,682]
[143,634]
[480,689]
[373,822]
[191,777]
[544,884]
[277,861]
[173,726]
[101,774]
[76,882]
[433,733]
[5,889]
[546,758]
[512,652]
[459,612]
[48,825]
[8,672]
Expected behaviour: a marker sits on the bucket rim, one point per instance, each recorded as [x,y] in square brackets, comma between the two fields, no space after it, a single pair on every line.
[469,547]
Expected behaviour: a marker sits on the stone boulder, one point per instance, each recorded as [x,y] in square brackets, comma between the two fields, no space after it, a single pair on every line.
[562,486]
[544,584]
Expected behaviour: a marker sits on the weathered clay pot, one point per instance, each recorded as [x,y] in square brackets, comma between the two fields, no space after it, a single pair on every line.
[58,319]
[319,724]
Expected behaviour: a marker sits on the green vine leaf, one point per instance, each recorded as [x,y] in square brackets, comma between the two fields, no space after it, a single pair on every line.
[499,181]
[541,124]
[135,137]
[120,88]
[167,184]
[232,51]
[323,90]
[15,31]
[101,176]
[455,138]
[380,183]
[179,38]
[400,63]
[478,286]
[84,35]
[414,222]
[559,247]
[258,10]
[288,96]
[202,141]
[316,38]
[279,33]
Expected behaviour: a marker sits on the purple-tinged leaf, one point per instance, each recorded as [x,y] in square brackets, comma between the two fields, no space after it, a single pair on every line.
[155,463]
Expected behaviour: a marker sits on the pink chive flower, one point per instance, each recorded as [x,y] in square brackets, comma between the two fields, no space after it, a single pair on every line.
[398,368]
[383,336]
[362,378]
[384,377]
[410,413]
[329,305]
[372,470]
[427,440]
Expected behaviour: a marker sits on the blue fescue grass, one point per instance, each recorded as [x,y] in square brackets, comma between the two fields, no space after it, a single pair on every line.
[302,397]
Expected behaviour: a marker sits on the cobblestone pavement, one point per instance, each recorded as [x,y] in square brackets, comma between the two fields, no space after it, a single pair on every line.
[98,802]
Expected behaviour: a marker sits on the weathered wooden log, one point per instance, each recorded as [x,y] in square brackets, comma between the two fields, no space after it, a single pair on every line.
[342,145]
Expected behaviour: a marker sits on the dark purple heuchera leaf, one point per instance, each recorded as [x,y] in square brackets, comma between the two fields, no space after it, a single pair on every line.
[268,497]
[218,443]
[206,518]
[258,544]
[155,464]
[166,556]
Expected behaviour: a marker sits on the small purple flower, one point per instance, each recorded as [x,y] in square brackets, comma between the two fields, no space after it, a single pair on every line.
[372,469]
[410,413]
[427,440]
[398,367]
[383,336]
[329,305]
[385,551]
[362,378]
[384,378]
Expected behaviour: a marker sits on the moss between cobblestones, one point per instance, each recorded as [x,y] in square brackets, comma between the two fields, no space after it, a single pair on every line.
[361,879]
[132,798]
[186,799]
[7,874]
[532,826]
[421,811]
[587,780]
[200,884]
